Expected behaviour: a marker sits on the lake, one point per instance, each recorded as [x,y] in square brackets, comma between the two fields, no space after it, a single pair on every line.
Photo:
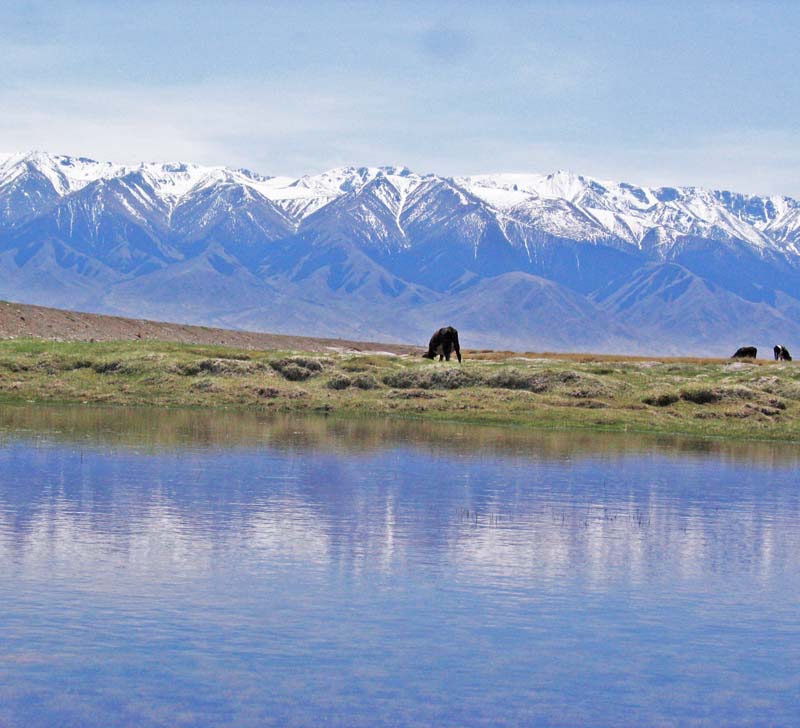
[206,568]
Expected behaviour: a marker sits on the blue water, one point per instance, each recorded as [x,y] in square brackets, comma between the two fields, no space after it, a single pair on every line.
[198,570]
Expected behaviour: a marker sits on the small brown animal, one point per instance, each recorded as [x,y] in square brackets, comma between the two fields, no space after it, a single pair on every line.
[745,352]
[442,343]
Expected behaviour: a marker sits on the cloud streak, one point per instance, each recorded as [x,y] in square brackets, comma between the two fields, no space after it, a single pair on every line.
[293,88]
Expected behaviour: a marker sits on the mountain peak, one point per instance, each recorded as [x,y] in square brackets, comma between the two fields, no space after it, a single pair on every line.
[562,202]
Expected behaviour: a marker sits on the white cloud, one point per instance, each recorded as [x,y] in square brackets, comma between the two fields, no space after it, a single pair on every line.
[212,123]
[751,161]
[285,127]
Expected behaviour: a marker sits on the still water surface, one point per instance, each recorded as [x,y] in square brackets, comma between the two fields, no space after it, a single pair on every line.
[191,568]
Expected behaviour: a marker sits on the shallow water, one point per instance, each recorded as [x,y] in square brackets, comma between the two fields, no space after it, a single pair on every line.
[195,568]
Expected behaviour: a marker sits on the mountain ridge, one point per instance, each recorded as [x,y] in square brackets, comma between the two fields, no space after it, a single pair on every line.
[385,253]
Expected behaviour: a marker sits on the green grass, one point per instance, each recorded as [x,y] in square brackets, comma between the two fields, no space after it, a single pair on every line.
[692,396]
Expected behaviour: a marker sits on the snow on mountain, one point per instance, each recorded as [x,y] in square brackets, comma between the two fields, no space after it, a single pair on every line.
[304,196]
[647,218]
[171,182]
[562,204]
[66,174]
[785,229]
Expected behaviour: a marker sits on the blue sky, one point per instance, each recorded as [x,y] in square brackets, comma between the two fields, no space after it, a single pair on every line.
[661,93]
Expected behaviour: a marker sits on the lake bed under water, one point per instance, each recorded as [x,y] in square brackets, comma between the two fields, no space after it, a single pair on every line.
[207,568]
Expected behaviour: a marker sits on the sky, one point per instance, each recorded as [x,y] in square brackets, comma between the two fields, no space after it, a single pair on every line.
[661,93]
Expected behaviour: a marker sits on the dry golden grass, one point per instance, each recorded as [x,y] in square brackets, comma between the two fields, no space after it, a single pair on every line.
[588,358]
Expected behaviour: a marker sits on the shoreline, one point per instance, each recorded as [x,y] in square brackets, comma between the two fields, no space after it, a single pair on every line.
[695,398]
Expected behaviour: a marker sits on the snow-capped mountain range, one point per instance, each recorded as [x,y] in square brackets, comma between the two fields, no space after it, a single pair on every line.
[558,261]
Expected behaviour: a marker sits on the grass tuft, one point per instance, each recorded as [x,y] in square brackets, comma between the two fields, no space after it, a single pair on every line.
[298,368]
[660,399]
[700,395]
[364,381]
[339,381]
[440,378]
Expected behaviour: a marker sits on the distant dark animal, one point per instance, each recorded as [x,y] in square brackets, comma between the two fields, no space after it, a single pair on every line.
[442,343]
[745,352]
[781,353]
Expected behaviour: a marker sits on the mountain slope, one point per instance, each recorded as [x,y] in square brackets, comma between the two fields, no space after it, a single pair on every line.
[509,309]
[703,316]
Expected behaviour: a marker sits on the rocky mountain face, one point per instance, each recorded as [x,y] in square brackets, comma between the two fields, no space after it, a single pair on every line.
[558,262]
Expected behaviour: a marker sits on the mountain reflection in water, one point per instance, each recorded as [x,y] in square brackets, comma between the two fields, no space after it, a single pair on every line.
[390,571]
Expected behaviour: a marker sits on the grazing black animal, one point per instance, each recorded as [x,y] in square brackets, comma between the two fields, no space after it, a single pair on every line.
[781,353]
[442,343]
[745,352]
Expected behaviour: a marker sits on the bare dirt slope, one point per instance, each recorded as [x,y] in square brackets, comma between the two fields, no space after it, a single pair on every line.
[18,320]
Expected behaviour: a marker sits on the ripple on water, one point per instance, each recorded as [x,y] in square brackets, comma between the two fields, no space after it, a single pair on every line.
[203,569]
